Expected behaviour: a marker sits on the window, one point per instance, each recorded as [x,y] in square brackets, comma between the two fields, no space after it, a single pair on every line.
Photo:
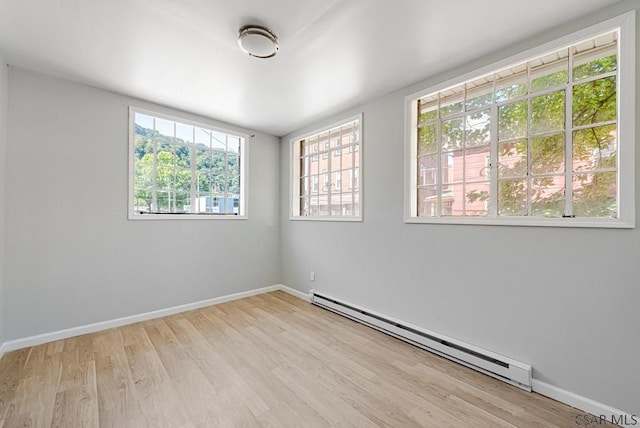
[353,182]
[337,144]
[326,198]
[325,183]
[180,167]
[545,140]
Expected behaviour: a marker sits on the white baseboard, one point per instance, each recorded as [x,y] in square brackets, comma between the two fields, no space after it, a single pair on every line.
[579,402]
[299,294]
[40,339]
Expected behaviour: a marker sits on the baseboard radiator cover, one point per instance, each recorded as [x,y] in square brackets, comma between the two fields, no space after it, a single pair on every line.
[487,362]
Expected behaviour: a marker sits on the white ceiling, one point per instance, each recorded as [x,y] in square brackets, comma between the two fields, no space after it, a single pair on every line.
[333,53]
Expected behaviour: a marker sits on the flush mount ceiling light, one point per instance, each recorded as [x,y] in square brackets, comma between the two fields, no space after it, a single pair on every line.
[257,41]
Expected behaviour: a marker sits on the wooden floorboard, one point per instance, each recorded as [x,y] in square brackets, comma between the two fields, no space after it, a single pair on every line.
[271,360]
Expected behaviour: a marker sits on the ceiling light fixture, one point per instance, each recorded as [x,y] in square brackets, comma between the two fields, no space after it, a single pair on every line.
[257,41]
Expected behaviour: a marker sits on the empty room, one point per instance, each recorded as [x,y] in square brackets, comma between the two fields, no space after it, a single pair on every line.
[319,213]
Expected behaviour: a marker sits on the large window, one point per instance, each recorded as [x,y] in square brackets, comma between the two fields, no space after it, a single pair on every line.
[546,140]
[180,169]
[320,163]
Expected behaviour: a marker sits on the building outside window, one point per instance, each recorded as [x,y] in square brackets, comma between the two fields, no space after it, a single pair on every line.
[330,201]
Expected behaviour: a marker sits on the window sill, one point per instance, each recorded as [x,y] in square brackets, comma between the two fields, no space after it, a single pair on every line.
[339,219]
[605,223]
[137,217]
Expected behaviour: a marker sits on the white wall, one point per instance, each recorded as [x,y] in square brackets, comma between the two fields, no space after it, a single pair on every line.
[563,300]
[4,99]
[72,257]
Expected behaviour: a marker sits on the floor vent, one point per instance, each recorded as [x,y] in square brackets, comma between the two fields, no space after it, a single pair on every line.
[498,366]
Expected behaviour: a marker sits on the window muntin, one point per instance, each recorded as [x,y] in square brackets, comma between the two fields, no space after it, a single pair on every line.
[327,159]
[180,167]
[537,140]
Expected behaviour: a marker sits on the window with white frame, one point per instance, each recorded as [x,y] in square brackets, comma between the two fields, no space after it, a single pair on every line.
[327,198]
[181,167]
[546,140]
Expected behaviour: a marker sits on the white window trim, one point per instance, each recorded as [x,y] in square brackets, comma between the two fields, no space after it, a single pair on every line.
[244,175]
[294,168]
[626,132]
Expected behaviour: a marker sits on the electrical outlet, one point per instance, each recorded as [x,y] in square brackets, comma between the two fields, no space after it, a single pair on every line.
[312,276]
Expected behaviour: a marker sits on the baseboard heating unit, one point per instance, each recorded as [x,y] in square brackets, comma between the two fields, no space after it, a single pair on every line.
[487,362]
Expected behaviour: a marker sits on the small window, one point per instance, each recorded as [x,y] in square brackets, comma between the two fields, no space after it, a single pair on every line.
[181,169]
[353,182]
[548,140]
[325,150]
[338,147]
[326,198]
[337,181]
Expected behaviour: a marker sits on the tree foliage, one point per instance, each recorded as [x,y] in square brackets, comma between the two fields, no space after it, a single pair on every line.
[531,136]
[217,172]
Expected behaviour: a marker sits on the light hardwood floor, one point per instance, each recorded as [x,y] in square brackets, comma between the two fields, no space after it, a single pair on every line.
[270,360]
